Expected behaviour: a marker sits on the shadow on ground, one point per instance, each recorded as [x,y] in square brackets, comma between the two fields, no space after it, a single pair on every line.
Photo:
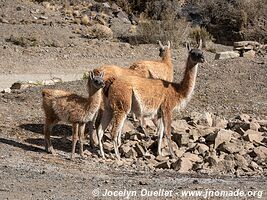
[25,147]
[58,129]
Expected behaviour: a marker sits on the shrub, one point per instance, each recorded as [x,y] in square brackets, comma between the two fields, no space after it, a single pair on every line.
[232,20]
[200,32]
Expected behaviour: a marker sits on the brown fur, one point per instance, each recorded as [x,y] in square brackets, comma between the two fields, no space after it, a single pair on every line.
[160,69]
[148,97]
[64,106]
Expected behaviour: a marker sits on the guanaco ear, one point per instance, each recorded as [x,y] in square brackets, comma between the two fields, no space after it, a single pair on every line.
[160,44]
[188,46]
[169,44]
[102,74]
[200,44]
[91,75]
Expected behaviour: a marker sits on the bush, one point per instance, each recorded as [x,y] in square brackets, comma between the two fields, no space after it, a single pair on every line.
[233,20]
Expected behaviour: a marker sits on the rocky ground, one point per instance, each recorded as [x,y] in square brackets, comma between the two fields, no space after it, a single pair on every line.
[220,138]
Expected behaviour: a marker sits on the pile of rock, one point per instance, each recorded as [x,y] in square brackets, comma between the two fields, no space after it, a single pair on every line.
[202,143]
[22,85]
[98,20]
[247,49]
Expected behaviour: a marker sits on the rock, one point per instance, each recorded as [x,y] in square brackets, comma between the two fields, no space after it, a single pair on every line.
[244,117]
[206,119]
[254,166]
[183,165]
[219,122]
[19,86]
[128,127]
[163,165]
[76,13]
[202,149]
[7,90]
[222,136]
[47,82]
[246,43]
[226,55]
[236,126]
[226,166]
[241,161]
[205,131]
[192,157]
[249,54]
[194,134]
[254,126]
[212,160]
[161,158]
[2,20]
[231,147]
[181,139]
[180,125]
[259,152]
[140,150]
[179,152]
[108,146]
[251,135]
[128,151]
[46,4]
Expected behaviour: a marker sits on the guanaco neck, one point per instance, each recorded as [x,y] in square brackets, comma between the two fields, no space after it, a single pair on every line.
[187,85]
[167,58]
[93,93]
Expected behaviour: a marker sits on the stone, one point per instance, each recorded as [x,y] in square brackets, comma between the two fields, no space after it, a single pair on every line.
[128,127]
[205,131]
[236,126]
[254,126]
[202,149]
[222,136]
[140,150]
[192,157]
[253,136]
[226,166]
[7,90]
[180,125]
[108,146]
[249,54]
[231,147]
[163,165]
[246,43]
[244,117]
[181,139]
[212,160]
[128,151]
[206,119]
[219,122]
[183,165]
[194,134]
[179,152]
[259,152]
[161,158]
[226,55]
[241,161]
[47,82]
[19,86]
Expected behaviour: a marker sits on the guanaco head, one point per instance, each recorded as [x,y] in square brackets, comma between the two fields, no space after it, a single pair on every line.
[97,80]
[163,49]
[196,55]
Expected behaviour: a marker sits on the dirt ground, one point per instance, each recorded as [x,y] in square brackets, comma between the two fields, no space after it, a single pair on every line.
[224,87]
